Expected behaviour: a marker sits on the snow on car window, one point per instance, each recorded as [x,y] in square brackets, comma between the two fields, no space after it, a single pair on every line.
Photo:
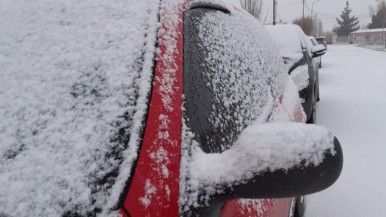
[74,81]
[301,77]
[242,74]
[313,41]
[242,77]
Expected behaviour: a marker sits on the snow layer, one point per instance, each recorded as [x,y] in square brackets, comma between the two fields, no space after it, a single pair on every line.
[74,81]
[291,41]
[244,76]
[159,188]
[287,38]
[301,77]
[352,106]
[290,108]
[261,148]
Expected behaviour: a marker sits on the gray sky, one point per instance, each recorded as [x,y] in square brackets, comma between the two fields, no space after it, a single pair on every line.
[327,10]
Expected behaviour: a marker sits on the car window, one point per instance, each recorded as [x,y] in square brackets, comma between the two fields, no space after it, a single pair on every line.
[306,42]
[232,75]
[320,40]
[313,41]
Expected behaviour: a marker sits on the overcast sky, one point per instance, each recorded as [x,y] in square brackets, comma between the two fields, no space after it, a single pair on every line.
[327,10]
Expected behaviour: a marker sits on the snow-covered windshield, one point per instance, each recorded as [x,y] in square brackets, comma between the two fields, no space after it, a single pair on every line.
[74,81]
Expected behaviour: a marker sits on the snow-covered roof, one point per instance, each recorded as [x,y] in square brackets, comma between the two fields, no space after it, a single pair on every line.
[380,30]
[74,81]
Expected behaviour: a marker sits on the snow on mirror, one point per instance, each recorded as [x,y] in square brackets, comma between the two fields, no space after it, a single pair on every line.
[318,50]
[271,160]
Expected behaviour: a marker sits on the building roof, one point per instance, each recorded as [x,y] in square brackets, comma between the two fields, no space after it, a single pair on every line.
[368,31]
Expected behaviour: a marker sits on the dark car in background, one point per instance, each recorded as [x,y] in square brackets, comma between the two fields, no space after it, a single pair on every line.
[298,53]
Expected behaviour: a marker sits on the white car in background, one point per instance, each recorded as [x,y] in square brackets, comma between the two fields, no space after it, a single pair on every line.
[298,54]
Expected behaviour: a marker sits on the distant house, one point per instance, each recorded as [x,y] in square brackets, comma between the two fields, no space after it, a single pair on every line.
[368,36]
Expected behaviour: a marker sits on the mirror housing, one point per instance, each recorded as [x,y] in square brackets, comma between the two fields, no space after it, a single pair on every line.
[273,160]
[318,50]
[300,180]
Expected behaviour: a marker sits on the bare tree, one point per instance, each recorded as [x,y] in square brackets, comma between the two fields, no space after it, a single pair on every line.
[306,24]
[254,7]
[378,16]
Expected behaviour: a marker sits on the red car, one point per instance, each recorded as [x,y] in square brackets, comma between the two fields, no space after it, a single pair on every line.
[148,108]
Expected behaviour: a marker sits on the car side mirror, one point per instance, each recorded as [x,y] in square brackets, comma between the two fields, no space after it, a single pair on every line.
[318,51]
[273,160]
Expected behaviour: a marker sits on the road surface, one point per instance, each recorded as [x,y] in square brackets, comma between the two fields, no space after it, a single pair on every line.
[353,107]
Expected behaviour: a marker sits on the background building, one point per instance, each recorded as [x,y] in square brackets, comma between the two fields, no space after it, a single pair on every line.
[368,36]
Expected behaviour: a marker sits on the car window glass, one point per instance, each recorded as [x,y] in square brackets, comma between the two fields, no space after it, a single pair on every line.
[232,75]
[306,42]
[314,43]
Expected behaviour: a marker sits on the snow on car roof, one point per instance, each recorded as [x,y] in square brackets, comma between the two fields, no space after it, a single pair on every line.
[286,37]
[74,81]
[291,41]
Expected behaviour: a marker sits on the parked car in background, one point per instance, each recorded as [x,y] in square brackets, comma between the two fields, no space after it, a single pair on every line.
[322,40]
[298,53]
[151,108]
[315,44]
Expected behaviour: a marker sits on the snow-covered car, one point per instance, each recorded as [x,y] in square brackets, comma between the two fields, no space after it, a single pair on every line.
[151,108]
[298,53]
[317,46]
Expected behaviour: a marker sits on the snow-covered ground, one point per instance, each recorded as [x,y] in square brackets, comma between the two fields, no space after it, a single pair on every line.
[379,47]
[353,106]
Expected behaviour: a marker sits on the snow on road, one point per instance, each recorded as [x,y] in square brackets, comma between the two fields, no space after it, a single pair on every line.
[353,107]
